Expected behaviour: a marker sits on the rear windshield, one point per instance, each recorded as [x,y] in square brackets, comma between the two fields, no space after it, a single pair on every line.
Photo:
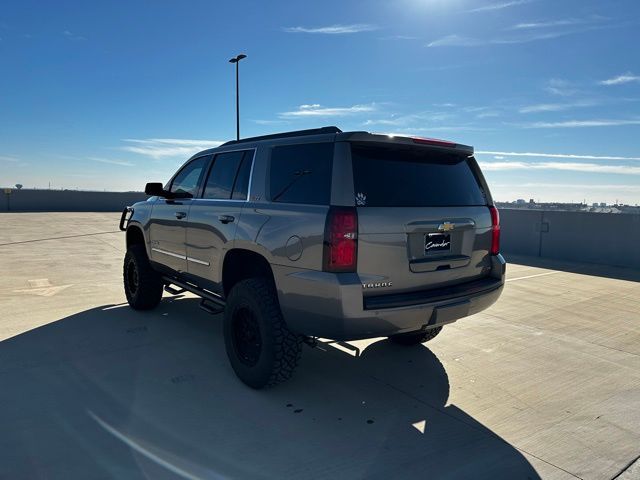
[412,177]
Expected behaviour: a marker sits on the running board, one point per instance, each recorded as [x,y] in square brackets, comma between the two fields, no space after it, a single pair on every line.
[208,298]
[173,291]
[210,307]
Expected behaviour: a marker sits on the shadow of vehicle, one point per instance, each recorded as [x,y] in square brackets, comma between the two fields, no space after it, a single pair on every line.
[591,269]
[114,393]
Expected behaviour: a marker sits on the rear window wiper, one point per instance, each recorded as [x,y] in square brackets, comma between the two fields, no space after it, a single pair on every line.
[297,175]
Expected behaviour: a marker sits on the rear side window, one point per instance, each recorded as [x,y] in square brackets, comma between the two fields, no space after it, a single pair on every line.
[229,176]
[412,177]
[301,173]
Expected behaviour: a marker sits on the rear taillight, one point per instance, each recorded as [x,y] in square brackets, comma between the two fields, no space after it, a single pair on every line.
[341,240]
[495,230]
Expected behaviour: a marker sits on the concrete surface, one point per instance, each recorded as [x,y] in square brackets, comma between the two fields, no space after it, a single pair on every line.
[28,200]
[545,384]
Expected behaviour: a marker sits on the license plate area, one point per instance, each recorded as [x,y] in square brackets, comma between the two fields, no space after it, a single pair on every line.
[437,243]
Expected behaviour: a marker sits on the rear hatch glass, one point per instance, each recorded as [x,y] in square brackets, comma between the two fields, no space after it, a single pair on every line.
[423,220]
[413,177]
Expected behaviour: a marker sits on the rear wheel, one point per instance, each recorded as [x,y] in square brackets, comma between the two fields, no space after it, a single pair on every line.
[142,285]
[262,350]
[414,338]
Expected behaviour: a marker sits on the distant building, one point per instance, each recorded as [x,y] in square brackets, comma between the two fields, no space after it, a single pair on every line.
[570,207]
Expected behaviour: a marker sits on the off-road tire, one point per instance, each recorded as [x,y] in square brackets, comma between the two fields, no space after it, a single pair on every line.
[414,338]
[280,349]
[142,285]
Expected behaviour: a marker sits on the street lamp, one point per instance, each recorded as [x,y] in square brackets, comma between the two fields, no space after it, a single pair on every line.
[236,60]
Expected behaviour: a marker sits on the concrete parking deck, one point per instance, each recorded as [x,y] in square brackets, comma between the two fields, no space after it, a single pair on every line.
[545,384]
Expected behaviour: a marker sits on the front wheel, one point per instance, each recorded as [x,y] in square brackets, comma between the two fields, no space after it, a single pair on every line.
[414,338]
[142,284]
[262,350]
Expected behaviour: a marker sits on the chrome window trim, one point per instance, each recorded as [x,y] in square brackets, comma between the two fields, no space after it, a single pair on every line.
[218,200]
[253,164]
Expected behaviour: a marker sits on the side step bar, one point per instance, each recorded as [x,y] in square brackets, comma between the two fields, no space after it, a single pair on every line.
[173,291]
[210,303]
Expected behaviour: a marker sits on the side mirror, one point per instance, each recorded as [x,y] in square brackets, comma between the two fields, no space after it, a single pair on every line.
[154,189]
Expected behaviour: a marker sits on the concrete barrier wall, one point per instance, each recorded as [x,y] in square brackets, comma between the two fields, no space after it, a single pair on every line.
[66,201]
[609,239]
[520,231]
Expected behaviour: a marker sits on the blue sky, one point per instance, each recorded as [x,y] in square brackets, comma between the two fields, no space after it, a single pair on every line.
[111,96]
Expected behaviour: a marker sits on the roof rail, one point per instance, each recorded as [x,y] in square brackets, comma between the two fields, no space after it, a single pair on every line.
[296,133]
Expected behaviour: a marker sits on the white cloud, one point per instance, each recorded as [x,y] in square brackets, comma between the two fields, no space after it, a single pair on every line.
[269,122]
[428,131]
[555,107]
[487,115]
[167,147]
[461,41]
[569,156]
[9,158]
[317,110]
[122,163]
[577,186]
[333,29]
[499,6]
[532,37]
[557,23]
[400,37]
[72,36]
[621,79]
[456,41]
[411,119]
[391,122]
[572,167]
[582,124]
[560,87]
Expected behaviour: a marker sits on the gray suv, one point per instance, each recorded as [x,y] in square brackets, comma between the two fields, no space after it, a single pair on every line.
[318,234]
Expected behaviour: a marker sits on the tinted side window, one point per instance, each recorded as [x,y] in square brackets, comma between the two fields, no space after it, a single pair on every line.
[186,181]
[223,175]
[241,187]
[301,173]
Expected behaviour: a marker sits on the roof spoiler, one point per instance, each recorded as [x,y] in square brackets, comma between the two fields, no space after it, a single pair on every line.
[402,140]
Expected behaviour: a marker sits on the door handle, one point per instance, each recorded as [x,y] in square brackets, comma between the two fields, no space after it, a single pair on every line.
[226,218]
[180,215]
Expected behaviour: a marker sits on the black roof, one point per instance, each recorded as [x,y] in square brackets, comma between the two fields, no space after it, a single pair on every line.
[295,133]
[359,137]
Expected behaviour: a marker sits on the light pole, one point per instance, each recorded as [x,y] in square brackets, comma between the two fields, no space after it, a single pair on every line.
[236,60]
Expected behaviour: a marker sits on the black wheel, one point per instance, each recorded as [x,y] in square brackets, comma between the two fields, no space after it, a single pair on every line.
[262,350]
[142,285]
[414,338]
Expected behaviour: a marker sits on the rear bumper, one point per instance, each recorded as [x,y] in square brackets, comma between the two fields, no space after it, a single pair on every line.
[332,306]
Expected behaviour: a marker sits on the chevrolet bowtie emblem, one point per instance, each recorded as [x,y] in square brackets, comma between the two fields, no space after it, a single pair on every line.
[446,227]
